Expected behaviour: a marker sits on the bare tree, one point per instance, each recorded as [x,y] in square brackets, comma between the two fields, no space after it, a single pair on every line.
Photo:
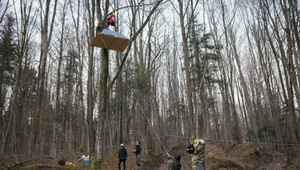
[37,132]
[79,87]
[3,10]
[91,11]
[187,71]
[103,104]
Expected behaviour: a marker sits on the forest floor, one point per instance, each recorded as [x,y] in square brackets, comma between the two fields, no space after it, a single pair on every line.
[235,157]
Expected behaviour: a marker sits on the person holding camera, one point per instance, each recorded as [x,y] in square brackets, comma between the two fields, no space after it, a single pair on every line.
[198,156]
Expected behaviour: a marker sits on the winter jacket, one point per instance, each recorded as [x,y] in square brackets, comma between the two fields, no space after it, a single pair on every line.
[137,149]
[199,154]
[122,154]
[190,149]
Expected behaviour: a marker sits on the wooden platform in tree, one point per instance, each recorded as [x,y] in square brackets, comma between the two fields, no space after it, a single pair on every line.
[112,40]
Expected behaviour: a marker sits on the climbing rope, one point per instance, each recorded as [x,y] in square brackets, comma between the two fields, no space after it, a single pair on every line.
[102,39]
[141,108]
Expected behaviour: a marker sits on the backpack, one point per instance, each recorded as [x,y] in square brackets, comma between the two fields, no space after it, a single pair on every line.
[62,161]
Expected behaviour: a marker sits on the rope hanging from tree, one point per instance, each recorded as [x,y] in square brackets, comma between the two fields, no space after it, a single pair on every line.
[141,108]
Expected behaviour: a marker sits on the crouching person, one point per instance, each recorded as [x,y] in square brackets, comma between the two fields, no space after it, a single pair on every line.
[174,162]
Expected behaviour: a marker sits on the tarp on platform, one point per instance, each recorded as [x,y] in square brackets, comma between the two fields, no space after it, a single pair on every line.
[109,39]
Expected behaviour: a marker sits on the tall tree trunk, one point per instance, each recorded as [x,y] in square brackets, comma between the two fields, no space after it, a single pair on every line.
[104,91]
[90,81]
[36,134]
[187,72]
[79,88]
[291,70]
[265,65]
[59,80]
[232,52]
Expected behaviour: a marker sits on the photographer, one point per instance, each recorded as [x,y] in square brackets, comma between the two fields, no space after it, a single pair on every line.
[198,157]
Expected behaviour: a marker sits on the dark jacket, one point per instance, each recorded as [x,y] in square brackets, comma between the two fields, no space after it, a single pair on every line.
[190,149]
[137,149]
[174,162]
[122,154]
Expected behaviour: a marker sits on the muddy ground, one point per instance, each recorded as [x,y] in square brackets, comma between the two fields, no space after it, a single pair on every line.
[235,157]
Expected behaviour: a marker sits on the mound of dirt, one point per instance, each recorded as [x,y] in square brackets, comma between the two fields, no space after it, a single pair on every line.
[236,157]
[216,158]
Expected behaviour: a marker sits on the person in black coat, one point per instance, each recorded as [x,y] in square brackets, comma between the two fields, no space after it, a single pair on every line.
[122,156]
[137,151]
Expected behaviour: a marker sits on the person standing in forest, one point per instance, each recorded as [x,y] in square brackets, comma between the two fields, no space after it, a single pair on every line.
[198,156]
[122,156]
[137,151]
